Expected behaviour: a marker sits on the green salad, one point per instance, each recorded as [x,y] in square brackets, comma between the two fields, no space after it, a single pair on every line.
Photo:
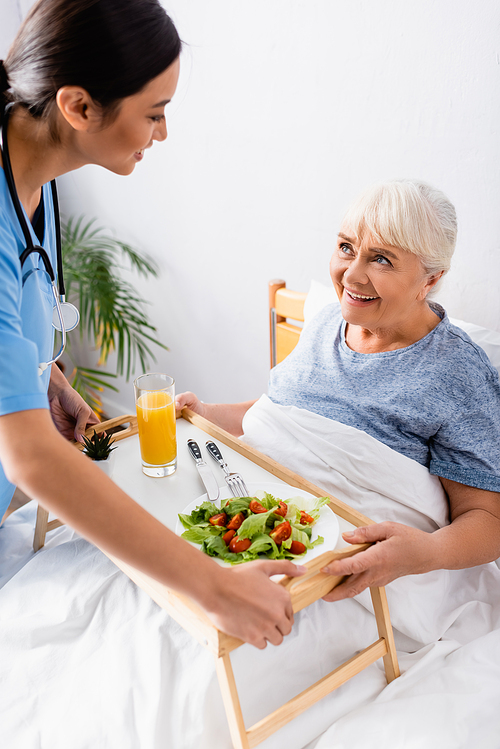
[260,527]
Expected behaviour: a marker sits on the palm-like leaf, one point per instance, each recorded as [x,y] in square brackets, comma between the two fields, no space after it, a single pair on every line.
[90,383]
[112,313]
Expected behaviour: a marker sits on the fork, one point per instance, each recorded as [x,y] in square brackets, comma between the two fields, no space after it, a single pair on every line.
[233,480]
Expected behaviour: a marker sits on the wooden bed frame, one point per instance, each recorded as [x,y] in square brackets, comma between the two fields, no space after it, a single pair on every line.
[284,305]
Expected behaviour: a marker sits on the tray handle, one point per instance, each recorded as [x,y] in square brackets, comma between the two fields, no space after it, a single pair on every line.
[132,428]
[315,584]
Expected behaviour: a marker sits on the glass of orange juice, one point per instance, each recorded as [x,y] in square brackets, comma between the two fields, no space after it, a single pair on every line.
[155,405]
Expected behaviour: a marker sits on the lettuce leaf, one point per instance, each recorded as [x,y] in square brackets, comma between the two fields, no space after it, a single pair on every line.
[262,545]
[303,537]
[199,515]
[214,546]
[254,525]
[236,505]
[268,501]
[197,534]
[304,529]
[317,542]
[298,535]
[296,504]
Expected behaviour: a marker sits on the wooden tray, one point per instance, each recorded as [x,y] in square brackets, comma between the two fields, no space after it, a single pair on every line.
[303,591]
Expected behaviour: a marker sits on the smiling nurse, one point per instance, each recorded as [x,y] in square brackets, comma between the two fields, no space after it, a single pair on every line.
[87,82]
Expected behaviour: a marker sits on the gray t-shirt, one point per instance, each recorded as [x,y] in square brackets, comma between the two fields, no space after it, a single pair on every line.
[436,401]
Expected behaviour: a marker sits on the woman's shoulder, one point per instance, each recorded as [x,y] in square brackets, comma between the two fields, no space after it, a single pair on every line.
[459,355]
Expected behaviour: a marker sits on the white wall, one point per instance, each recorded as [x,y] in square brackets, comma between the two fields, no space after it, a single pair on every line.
[286,109]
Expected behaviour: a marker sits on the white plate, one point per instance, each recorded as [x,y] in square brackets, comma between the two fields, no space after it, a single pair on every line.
[327,525]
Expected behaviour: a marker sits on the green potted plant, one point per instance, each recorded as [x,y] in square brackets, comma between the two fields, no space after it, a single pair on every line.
[99,448]
[111,312]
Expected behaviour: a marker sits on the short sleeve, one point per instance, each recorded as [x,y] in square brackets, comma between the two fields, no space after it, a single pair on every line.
[467,448]
[21,388]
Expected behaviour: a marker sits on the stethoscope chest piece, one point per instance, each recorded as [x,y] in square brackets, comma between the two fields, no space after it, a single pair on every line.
[70,316]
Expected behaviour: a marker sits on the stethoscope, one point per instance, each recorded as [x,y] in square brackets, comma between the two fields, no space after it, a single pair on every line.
[65,316]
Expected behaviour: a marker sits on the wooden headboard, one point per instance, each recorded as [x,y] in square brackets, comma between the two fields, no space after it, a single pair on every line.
[284,305]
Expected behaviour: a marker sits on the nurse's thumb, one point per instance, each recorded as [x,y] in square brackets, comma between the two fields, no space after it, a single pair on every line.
[80,427]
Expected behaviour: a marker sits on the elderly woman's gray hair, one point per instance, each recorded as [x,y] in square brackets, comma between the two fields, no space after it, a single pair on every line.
[411,215]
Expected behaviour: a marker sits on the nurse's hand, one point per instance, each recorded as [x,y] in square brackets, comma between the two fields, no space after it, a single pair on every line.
[71,415]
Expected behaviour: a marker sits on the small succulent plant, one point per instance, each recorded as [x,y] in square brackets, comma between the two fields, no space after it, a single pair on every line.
[98,447]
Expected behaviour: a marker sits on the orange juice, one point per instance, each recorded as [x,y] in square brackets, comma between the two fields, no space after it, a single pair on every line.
[156,422]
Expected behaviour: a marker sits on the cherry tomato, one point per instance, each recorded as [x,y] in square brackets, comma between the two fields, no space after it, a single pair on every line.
[227,537]
[219,519]
[256,507]
[281,533]
[235,522]
[297,547]
[282,509]
[238,544]
[305,519]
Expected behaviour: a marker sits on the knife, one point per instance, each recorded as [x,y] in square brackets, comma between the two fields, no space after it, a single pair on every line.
[206,474]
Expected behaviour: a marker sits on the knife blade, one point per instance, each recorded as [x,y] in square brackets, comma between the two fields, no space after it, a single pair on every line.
[206,474]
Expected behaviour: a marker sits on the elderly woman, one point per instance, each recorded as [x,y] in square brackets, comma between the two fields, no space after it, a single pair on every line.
[388,362]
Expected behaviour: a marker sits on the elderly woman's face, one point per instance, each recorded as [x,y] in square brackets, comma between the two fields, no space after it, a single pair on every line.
[379,287]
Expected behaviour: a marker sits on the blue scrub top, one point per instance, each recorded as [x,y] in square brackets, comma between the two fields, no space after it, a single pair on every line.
[26,301]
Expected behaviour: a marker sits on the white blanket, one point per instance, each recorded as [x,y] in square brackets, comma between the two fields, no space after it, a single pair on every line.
[87,660]
[446,623]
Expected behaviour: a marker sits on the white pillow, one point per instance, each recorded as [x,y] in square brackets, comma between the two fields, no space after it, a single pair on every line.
[320,295]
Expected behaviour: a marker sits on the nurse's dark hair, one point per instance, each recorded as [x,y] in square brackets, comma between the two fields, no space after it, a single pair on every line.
[111,48]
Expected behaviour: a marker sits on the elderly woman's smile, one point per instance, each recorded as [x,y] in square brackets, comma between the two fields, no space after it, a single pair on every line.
[360,298]
[382,289]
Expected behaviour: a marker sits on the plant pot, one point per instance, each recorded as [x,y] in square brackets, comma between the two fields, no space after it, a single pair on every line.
[107,465]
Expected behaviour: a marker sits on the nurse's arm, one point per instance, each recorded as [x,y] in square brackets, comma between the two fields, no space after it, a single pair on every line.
[242,602]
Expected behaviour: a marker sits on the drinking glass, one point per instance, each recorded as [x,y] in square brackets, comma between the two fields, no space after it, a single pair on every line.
[155,406]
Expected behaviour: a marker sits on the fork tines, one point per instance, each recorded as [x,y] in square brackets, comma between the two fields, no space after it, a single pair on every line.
[237,485]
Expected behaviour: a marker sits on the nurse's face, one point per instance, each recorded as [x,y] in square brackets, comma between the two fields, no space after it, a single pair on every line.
[120,146]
